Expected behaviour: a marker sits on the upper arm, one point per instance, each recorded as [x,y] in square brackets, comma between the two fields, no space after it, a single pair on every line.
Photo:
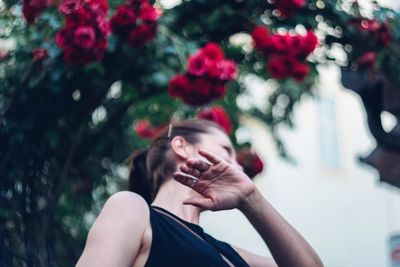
[116,235]
[255,260]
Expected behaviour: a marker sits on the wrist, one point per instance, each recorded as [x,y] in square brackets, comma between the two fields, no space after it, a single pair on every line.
[250,201]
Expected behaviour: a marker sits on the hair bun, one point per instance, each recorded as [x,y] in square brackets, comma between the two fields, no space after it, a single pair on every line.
[139,181]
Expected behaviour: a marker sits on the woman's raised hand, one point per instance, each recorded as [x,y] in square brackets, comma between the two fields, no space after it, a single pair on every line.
[221,185]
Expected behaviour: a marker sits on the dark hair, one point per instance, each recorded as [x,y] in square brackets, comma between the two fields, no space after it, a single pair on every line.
[149,167]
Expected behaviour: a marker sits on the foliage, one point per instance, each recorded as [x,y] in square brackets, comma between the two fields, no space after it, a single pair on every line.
[65,128]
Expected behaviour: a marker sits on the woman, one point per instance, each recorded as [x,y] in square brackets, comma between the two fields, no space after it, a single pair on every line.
[190,169]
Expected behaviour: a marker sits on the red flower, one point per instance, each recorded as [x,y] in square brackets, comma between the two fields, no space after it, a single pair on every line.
[144,129]
[206,75]
[103,26]
[251,162]
[123,20]
[262,40]
[85,37]
[384,34]
[136,22]
[64,38]
[198,64]
[218,115]
[69,7]
[32,8]
[367,60]
[289,7]
[39,54]
[148,12]
[281,43]
[3,54]
[309,44]
[212,51]
[278,67]
[201,92]
[178,86]
[141,34]
[223,70]
[299,71]
[79,17]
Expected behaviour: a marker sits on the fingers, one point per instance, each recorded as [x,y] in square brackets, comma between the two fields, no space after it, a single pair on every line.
[214,159]
[189,170]
[185,179]
[195,167]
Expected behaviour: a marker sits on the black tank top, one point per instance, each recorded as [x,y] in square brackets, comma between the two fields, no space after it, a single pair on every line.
[175,246]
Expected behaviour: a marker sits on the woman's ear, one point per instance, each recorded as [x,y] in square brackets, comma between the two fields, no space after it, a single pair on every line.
[180,147]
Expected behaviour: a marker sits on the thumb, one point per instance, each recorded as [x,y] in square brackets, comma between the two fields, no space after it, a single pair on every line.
[204,203]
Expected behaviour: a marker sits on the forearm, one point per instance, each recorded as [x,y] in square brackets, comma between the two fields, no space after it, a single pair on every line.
[287,246]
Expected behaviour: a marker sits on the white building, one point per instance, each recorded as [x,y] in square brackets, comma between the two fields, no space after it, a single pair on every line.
[334,201]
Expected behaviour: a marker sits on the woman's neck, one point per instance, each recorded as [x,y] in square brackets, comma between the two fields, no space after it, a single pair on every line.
[171,196]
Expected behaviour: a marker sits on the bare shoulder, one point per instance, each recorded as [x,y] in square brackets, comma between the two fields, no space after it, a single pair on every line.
[116,235]
[254,260]
[127,201]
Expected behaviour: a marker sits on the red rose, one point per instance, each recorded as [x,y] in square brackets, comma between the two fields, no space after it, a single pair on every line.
[289,7]
[69,7]
[223,70]
[143,129]
[219,90]
[250,161]
[85,37]
[384,35]
[65,37]
[198,64]
[369,25]
[141,35]
[299,70]
[3,54]
[367,60]
[218,115]
[259,34]
[201,92]
[39,54]
[262,40]
[99,7]
[148,12]
[212,51]
[80,17]
[103,26]
[277,67]
[178,86]
[281,43]
[32,8]
[310,42]
[123,20]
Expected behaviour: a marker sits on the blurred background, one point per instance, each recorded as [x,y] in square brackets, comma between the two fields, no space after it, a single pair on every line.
[308,91]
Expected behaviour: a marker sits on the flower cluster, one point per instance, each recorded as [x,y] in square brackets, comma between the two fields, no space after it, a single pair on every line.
[83,38]
[289,7]
[32,8]
[380,31]
[367,60]
[218,115]
[285,53]
[39,54]
[136,22]
[250,161]
[207,73]
[144,129]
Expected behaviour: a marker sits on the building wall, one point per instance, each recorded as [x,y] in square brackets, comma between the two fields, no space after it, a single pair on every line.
[335,202]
